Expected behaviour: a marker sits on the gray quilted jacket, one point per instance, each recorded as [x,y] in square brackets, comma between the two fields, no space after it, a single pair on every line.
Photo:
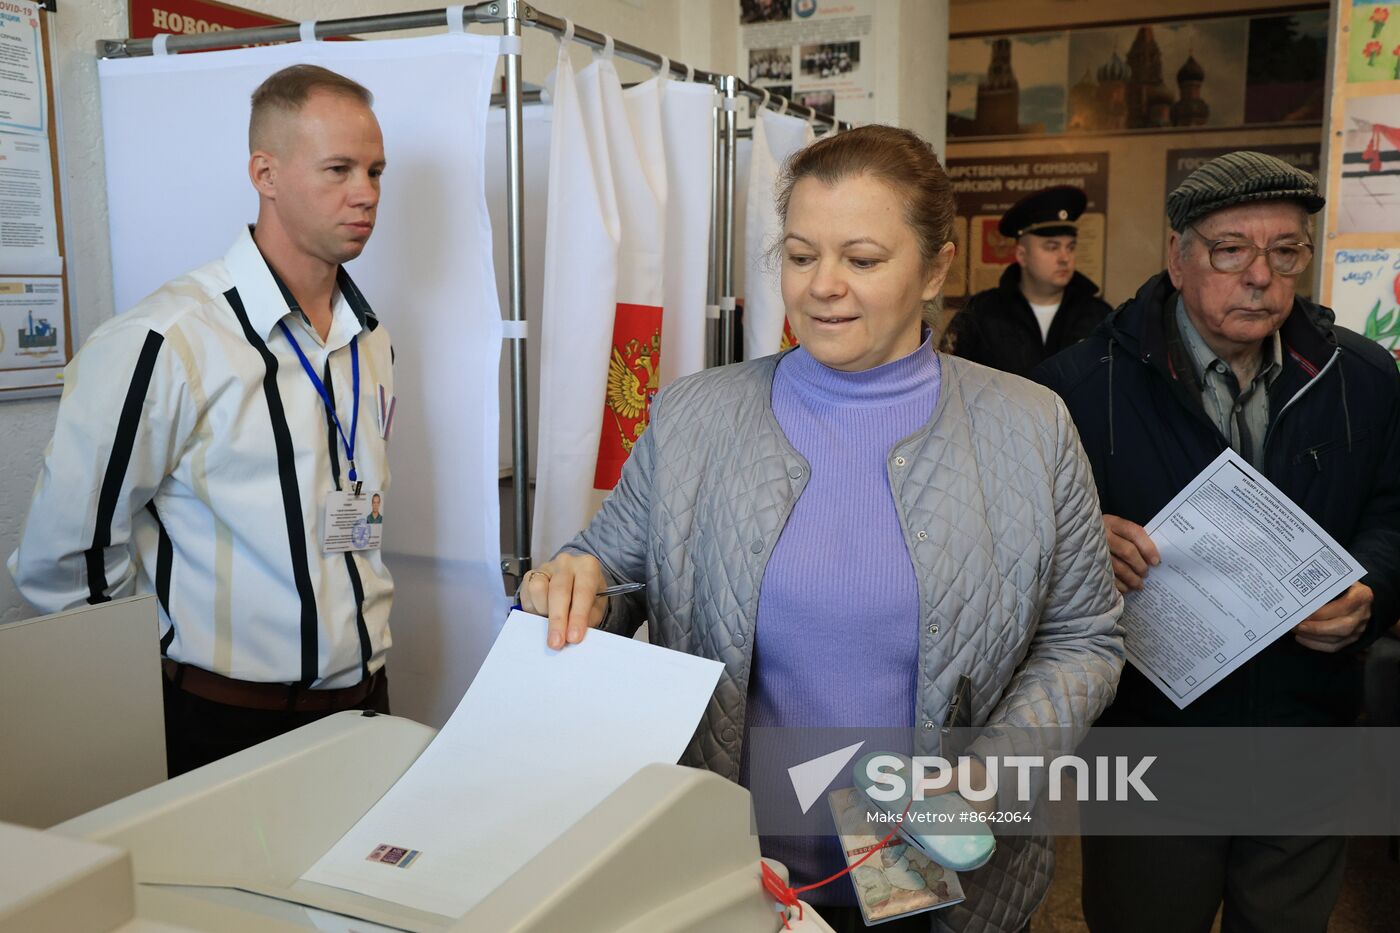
[1002,522]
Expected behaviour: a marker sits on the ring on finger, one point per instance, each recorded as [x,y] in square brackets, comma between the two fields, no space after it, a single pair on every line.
[543,573]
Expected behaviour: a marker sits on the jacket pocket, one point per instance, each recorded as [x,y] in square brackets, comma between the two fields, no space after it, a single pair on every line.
[1318,453]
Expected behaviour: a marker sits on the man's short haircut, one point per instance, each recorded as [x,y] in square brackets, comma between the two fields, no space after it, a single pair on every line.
[286,92]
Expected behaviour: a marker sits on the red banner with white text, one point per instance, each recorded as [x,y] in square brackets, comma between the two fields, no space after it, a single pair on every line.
[148,18]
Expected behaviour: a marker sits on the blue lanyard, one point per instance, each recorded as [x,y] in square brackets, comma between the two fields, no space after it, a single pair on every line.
[326,396]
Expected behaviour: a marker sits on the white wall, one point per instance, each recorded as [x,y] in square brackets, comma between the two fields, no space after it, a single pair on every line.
[700,32]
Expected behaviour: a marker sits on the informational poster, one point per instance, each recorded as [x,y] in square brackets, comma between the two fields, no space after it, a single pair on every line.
[1366,294]
[149,18]
[28,220]
[818,54]
[986,187]
[31,331]
[23,107]
[36,339]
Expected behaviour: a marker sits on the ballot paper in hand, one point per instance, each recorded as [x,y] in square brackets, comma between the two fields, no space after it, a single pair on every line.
[540,738]
[1241,566]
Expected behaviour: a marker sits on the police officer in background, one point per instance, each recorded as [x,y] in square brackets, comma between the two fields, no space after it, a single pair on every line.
[1042,305]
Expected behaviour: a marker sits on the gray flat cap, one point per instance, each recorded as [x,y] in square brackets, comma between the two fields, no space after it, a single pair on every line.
[1240,178]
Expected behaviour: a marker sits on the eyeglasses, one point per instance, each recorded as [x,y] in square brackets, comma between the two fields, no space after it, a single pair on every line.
[1235,256]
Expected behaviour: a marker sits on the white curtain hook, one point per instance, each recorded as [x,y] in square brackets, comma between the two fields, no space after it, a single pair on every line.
[568,35]
[783,109]
[158,44]
[766,97]
[690,72]
[308,31]
[456,18]
[664,69]
[607,46]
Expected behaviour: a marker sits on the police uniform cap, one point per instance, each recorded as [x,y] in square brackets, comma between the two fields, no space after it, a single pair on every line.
[1050,212]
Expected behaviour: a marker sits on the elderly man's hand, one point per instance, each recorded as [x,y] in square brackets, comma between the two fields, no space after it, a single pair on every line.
[566,589]
[1132,551]
[1338,623]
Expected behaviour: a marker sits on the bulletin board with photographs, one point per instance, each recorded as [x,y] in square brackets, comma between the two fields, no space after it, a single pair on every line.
[814,54]
[1360,272]
[1141,77]
[36,334]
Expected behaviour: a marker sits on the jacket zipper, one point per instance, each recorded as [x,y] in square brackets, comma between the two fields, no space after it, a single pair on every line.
[1253,714]
[1297,395]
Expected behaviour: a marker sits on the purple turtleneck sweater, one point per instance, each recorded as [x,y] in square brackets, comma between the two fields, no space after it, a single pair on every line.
[837,640]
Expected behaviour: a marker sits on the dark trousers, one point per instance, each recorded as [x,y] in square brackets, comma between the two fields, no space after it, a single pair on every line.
[199,731]
[1175,884]
[849,920]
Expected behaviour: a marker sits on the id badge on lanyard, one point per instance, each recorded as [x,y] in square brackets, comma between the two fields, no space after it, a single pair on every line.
[352,519]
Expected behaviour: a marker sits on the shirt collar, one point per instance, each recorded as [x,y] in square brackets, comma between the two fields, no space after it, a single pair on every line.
[1204,358]
[267,300]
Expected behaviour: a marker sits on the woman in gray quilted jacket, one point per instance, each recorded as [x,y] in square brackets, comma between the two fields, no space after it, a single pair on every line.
[856,526]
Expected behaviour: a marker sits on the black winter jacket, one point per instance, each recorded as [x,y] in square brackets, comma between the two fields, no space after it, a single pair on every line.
[997,327]
[1332,445]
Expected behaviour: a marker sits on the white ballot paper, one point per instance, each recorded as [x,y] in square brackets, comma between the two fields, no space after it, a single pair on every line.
[1241,566]
[540,738]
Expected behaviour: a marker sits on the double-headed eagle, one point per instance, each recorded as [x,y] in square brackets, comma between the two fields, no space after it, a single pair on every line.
[628,397]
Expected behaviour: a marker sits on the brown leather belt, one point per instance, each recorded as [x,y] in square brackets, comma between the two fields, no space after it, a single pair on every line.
[266,696]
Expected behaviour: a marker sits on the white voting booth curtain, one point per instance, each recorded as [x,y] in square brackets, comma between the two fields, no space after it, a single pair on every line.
[626,262]
[579,297]
[178,191]
[687,109]
[775,138]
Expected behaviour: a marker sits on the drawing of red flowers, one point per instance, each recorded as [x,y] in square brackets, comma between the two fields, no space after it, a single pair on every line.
[1372,49]
[1378,20]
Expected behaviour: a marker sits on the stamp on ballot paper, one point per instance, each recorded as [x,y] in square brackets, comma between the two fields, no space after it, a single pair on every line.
[397,856]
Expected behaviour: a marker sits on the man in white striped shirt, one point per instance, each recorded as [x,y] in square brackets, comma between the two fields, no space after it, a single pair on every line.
[202,433]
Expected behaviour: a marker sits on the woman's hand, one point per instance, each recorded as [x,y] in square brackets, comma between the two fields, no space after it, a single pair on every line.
[566,589]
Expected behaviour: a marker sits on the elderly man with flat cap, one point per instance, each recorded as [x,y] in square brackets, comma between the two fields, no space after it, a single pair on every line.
[1219,351]
[1042,305]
